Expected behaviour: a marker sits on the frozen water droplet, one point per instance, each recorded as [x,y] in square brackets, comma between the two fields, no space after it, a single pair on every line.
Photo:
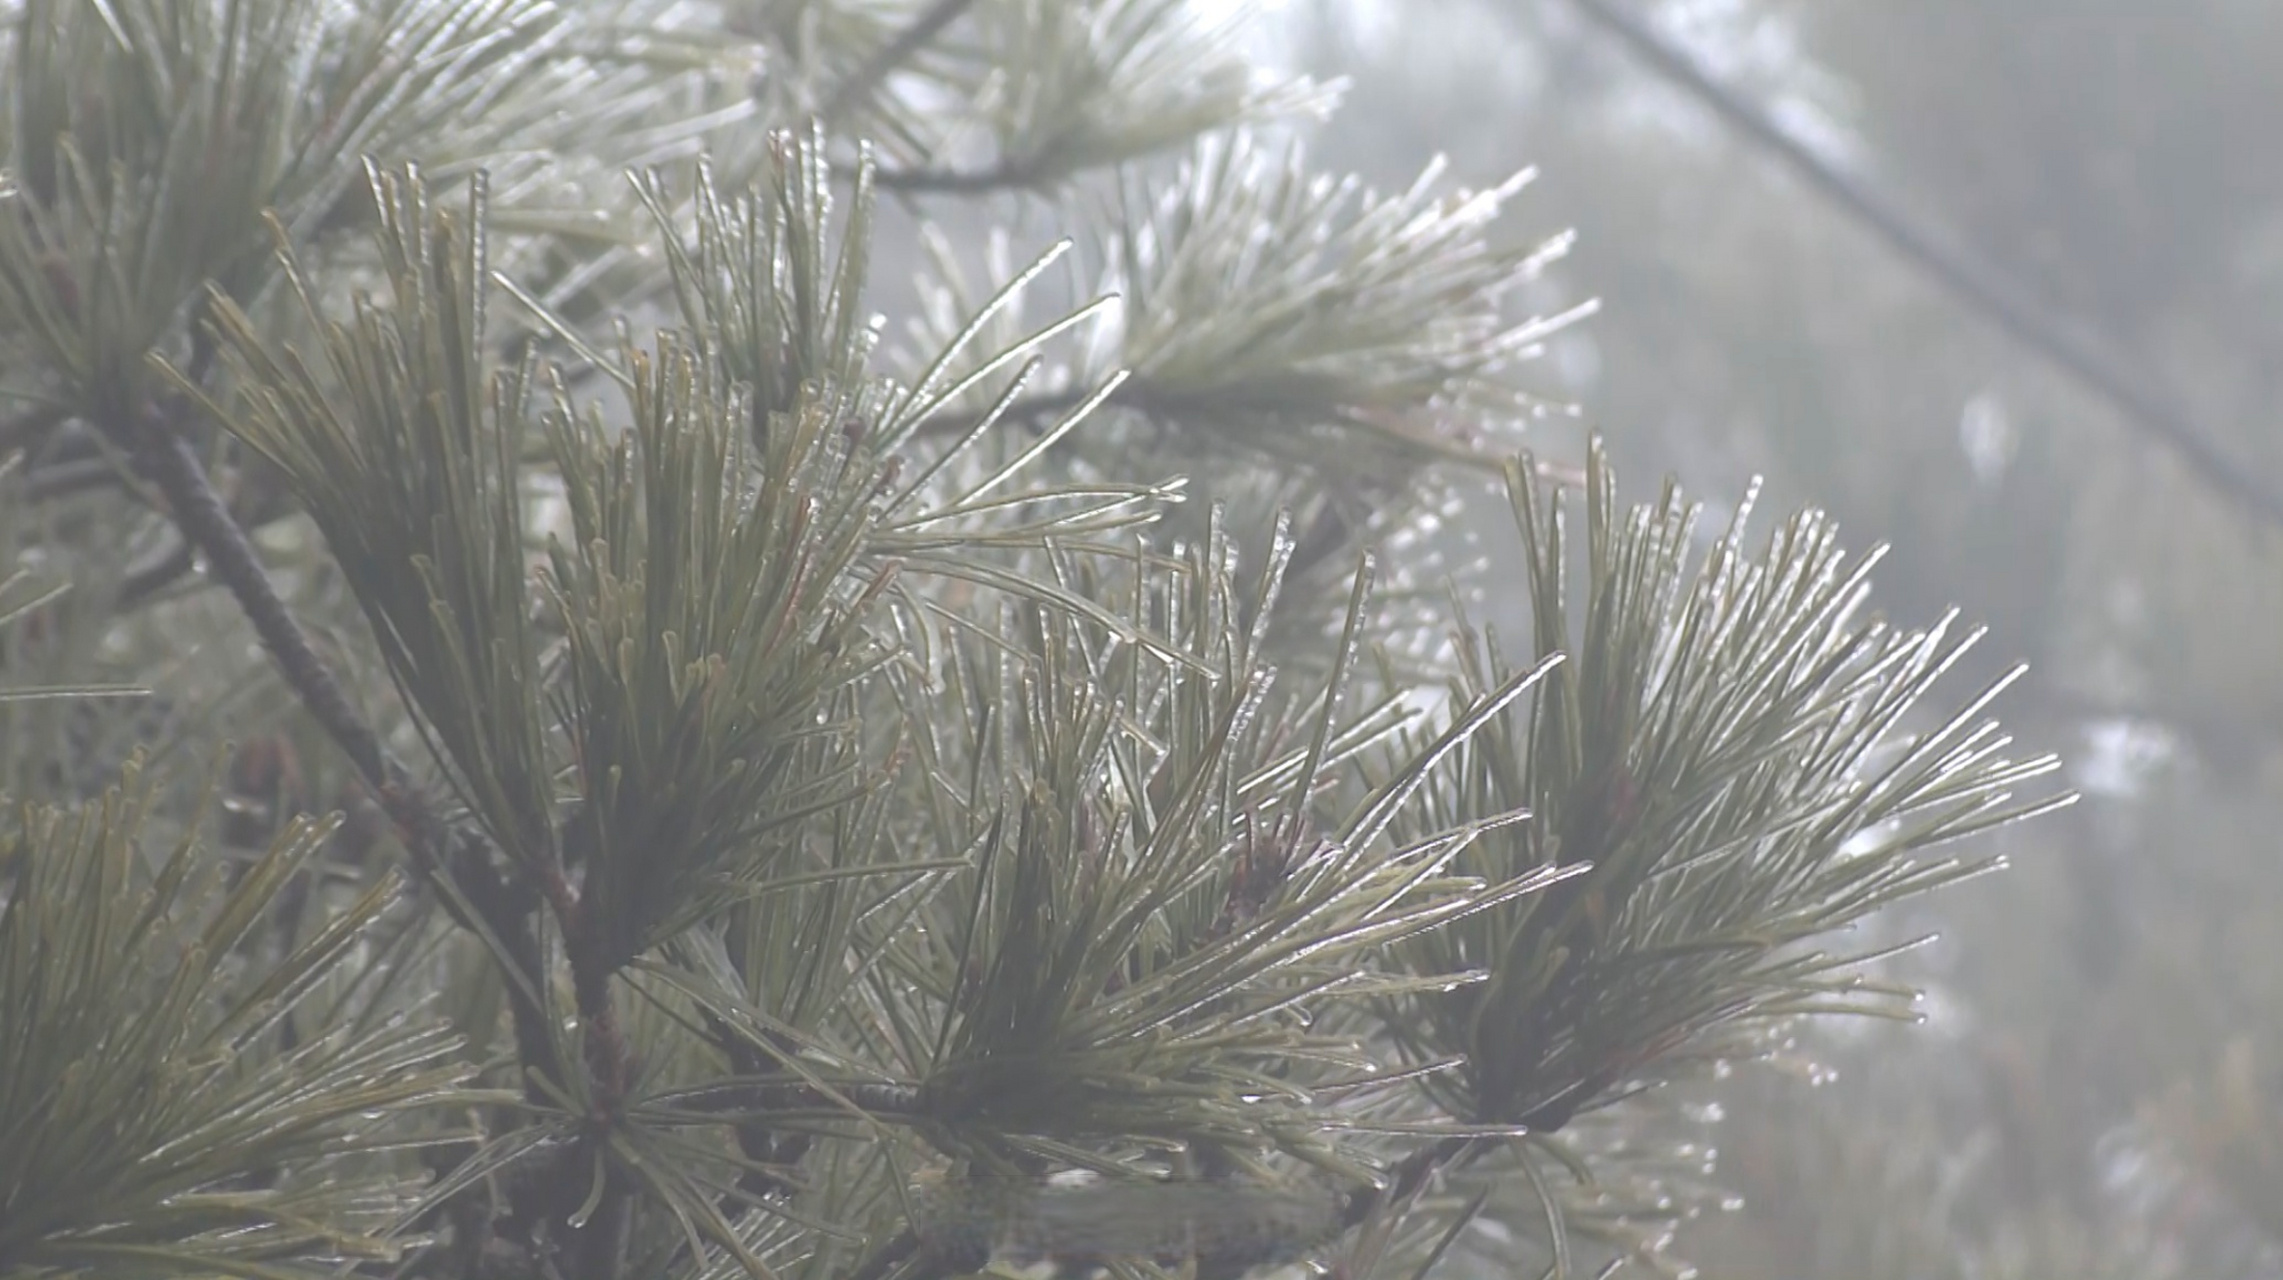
[1988,436]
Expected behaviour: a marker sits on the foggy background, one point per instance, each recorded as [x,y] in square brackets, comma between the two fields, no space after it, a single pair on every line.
[2094,1091]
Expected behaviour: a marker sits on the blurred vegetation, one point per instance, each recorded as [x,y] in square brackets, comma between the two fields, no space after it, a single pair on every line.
[2100,1091]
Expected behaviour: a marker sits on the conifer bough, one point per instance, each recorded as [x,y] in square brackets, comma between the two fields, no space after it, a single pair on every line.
[847,795]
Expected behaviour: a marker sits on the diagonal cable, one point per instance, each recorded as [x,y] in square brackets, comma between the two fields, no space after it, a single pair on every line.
[1980,284]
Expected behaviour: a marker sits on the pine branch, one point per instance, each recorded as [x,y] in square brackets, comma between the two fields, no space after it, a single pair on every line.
[886,1257]
[1406,1180]
[782,1097]
[1722,763]
[155,441]
[1006,175]
[1272,314]
[48,483]
[1066,87]
[25,430]
[166,458]
[895,53]
[599,1249]
[132,997]
[145,582]
[967,816]
[1027,412]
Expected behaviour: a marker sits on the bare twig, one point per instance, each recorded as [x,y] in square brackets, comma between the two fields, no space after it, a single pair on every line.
[1003,176]
[1407,1179]
[148,580]
[887,1257]
[895,53]
[166,458]
[779,1099]
[53,482]
[1028,409]
[1979,284]
[26,429]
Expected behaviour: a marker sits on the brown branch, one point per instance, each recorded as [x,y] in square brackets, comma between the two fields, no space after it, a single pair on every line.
[609,1060]
[1979,284]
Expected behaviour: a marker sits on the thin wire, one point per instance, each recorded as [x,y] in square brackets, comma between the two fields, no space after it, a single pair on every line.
[1978,283]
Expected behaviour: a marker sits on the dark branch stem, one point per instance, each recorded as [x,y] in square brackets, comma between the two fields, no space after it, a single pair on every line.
[148,580]
[601,1244]
[26,430]
[1981,286]
[1028,409]
[1409,1177]
[166,458]
[796,1096]
[887,1257]
[68,479]
[1406,1180]
[757,1140]
[1004,176]
[894,54]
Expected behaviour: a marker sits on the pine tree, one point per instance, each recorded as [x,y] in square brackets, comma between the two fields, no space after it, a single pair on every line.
[542,744]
